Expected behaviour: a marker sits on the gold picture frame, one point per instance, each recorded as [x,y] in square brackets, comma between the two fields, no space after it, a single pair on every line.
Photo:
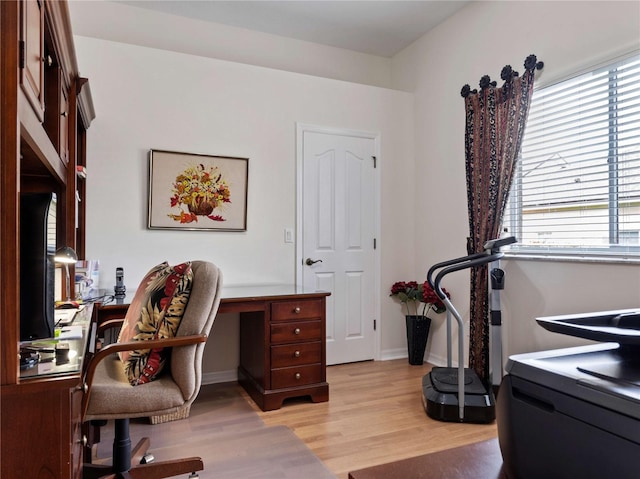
[190,191]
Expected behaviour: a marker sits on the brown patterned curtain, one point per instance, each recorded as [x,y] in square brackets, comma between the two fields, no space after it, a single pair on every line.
[495,121]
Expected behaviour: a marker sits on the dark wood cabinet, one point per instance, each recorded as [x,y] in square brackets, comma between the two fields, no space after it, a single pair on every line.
[283,350]
[45,112]
[41,415]
[31,51]
[40,443]
[56,114]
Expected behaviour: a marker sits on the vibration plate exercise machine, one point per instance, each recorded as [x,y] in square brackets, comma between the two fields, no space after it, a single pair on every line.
[457,394]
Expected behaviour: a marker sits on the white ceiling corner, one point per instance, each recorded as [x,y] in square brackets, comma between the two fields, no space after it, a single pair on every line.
[381,28]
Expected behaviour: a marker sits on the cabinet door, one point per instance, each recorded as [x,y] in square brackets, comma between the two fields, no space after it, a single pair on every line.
[36,430]
[32,45]
[63,130]
[56,110]
[76,433]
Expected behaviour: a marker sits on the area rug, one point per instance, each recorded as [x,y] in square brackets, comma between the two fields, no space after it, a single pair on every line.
[230,437]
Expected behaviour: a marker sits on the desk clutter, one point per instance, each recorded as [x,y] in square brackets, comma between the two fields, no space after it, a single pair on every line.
[61,353]
[65,316]
[44,352]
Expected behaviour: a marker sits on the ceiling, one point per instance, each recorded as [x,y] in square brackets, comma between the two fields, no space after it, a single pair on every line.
[380,28]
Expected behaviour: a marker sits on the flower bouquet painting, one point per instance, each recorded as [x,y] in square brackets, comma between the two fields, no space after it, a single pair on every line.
[197,192]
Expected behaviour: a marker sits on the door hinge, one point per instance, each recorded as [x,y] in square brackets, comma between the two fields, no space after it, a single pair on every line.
[375,324]
[375,243]
[21,54]
[375,161]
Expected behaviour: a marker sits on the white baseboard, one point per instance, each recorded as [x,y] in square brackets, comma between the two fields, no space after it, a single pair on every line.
[220,377]
[436,360]
[389,354]
[400,353]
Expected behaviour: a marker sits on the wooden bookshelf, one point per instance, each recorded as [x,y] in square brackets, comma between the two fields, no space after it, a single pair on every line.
[45,112]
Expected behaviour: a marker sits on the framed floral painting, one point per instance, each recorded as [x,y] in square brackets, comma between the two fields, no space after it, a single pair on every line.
[188,191]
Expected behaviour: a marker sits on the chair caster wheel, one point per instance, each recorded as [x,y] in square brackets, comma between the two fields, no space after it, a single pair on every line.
[193,475]
[147,458]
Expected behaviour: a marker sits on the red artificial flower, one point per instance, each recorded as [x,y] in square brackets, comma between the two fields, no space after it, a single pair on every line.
[429,296]
[411,294]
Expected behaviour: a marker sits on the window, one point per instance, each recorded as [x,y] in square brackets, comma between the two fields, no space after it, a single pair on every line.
[576,191]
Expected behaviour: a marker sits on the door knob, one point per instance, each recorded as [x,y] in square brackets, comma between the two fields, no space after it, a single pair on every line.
[310,262]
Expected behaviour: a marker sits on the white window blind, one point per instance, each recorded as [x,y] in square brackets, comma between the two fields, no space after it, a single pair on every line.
[577,186]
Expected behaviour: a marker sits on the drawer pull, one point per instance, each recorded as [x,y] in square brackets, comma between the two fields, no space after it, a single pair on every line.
[84,440]
[296,331]
[296,310]
[298,375]
[296,354]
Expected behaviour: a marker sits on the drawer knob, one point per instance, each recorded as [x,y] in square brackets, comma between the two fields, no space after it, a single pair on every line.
[296,331]
[298,375]
[296,354]
[296,310]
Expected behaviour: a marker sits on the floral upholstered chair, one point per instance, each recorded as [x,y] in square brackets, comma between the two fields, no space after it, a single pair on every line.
[154,370]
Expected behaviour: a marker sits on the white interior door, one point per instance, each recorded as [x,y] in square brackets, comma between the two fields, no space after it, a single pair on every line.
[336,233]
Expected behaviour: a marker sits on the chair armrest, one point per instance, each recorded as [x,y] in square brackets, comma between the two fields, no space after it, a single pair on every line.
[131,346]
[109,324]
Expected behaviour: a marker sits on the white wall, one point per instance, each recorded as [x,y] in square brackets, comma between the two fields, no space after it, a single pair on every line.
[140,26]
[154,99]
[148,98]
[480,39]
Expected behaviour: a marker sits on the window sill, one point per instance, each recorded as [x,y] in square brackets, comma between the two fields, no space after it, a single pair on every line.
[622,260]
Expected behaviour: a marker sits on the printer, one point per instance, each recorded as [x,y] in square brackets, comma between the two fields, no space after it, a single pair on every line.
[575,412]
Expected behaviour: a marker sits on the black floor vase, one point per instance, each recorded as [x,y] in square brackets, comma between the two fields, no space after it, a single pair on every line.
[417,335]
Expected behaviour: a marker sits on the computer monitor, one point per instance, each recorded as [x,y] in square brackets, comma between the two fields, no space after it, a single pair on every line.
[37,267]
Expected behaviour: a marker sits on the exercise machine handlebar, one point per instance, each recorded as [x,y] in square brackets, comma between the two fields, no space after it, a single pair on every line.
[492,253]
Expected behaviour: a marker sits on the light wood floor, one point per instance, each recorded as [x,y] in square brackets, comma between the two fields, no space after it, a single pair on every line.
[374,415]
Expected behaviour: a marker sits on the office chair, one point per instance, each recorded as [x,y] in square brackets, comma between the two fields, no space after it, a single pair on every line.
[110,393]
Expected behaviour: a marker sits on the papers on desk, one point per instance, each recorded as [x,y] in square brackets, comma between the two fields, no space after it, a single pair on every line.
[64,317]
[69,332]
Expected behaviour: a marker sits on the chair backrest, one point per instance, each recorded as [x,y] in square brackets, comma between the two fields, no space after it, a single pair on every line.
[200,312]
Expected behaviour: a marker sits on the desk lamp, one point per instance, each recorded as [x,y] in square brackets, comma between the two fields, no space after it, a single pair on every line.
[66,256]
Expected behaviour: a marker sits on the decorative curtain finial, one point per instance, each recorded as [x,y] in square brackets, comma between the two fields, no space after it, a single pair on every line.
[532,62]
[508,73]
[486,82]
[466,91]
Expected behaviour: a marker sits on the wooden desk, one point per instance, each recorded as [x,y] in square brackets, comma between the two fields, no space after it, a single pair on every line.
[282,340]
[44,425]
[474,461]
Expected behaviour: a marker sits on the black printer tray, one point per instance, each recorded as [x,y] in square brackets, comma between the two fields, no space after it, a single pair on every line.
[621,326]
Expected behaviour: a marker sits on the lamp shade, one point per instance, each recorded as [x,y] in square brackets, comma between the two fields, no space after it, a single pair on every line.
[65,255]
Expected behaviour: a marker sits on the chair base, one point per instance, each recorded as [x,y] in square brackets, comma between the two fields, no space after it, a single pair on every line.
[154,470]
[181,413]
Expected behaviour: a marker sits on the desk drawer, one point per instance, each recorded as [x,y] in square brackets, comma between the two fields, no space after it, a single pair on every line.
[296,354]
[302,309]
[296,331]
[76,433]
[296,376]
